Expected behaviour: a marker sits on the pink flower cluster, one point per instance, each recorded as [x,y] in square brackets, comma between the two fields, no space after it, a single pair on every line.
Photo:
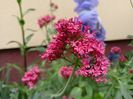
[55,49]
[65,72]
[45,20]
[91,52]
[122,58]
[31,77]
[116,50]
[72,35]
[95,69]
[68,30]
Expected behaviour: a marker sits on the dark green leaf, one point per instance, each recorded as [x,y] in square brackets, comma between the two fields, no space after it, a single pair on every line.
[21,46]
[98,96]
[76,92]
[32,30]
[131,43]
[89,90]
[28,38]
[15,66]
[2,68]
[124,91]
[40,49]
[51,31]
[130,36]
[28,10]
[118,95]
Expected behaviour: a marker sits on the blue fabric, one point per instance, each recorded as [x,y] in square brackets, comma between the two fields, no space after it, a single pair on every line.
[89,16]
[86,5]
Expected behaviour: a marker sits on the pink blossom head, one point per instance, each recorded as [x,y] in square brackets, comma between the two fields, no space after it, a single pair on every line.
[68,30]
[65,71]
[122,58]
[31,77]
[96,69]
[45,20]
[55,49]
[116,50]
[71,28]
[88,46]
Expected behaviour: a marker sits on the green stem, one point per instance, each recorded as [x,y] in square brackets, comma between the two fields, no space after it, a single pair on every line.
[23,36]
[67,60]
[47,35]
[108,92]
[64,89]
[131,3]
[51,12]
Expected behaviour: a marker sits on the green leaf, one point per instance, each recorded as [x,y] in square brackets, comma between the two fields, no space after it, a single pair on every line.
[130,36]
[124,91]
[28,10]
[36,95]
[21,46]
[16,17]
[98,96]
[2,68]
[51,31]
[15,66]
[28,38]
[76,92]
[40,49]
[16,42]
[131,43]
[130,86]
[87,97]
[89,90]
[7,76]
[32,30]
[118,95]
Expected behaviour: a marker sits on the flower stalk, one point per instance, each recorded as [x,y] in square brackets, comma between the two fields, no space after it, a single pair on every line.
[53,96]
[22,23]
[131,3]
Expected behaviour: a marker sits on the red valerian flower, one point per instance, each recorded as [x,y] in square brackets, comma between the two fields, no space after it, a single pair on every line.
[97,70]
[31,77]
[45,20]
[122,58]
[82,44]
[65,72]
[116,50]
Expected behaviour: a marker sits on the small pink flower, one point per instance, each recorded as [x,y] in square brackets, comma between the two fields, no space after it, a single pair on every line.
[55,49]
[122,58]
[65,72]
[97,70]
[31,77]
[45,20]
[116,50]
